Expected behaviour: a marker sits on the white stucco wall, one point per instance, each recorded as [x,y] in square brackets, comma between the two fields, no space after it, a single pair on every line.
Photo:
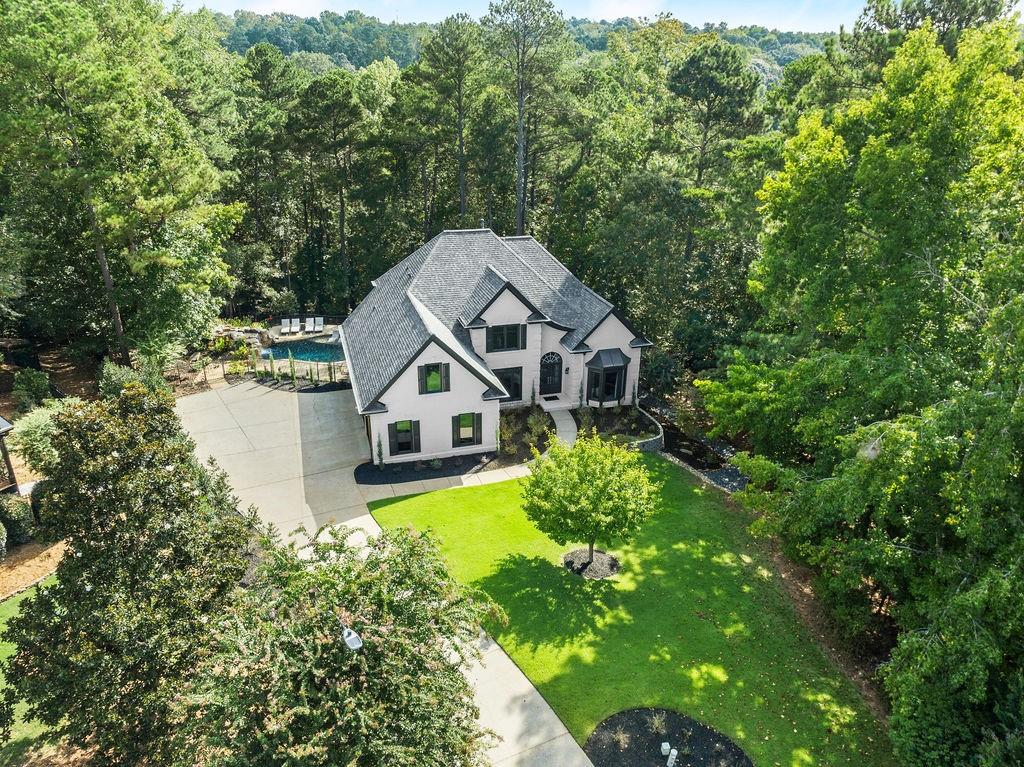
[611,334]
[434,411]
[509,310]
[542,338]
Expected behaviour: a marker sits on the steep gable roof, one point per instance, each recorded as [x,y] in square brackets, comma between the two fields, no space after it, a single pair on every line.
[441,289]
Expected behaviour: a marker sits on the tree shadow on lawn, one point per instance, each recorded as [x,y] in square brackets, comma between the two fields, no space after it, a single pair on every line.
[696,621]
[546,604]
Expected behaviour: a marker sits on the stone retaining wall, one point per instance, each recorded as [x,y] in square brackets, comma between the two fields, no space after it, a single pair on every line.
[651,444]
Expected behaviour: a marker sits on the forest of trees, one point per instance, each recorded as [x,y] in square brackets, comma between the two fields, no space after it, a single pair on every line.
[354,39]
[832,249]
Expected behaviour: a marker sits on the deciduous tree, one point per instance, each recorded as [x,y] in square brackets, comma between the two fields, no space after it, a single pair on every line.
[595,491]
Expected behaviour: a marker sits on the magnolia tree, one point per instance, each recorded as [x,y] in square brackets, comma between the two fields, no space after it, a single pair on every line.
[594,491]
[155,545]
[287,683]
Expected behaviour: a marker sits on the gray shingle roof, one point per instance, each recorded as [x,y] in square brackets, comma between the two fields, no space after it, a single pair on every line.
[441,287]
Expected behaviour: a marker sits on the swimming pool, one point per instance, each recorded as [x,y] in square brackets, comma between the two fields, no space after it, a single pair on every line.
[310,351]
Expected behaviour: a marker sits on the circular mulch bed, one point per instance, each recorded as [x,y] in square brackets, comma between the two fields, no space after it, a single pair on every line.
[633,738]
[603,566]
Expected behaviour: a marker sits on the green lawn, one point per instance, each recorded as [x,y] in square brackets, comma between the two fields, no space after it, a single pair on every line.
[696,621]
[25,735]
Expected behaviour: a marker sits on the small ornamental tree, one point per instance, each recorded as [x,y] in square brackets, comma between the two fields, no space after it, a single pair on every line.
[282,686]
[154,547]
[594,491]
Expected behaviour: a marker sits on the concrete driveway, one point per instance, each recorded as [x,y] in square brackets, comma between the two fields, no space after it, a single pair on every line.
[292,456]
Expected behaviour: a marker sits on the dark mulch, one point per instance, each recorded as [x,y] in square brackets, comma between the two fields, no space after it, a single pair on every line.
[603,566]
[409,471]
[625,422]
[633,738]
[729,477]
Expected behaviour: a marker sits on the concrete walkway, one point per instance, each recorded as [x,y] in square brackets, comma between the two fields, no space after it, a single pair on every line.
[565,426]
[292,456]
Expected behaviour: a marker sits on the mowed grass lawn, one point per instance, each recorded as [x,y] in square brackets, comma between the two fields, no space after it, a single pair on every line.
[24,735]
[696,621]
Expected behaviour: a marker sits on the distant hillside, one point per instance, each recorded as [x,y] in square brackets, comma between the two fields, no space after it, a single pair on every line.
[355,39]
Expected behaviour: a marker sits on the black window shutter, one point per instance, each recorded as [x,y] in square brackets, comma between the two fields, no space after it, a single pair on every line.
[455,431]
[421,373]
[522,336]
[392,438]
[478,423]
[446,377]
[415,436]
[490,339]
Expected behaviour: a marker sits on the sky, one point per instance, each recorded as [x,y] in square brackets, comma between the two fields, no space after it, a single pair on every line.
[788,15]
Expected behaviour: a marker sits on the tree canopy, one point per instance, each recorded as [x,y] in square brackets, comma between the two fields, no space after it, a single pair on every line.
[155,544]
[281,685]
[595,491]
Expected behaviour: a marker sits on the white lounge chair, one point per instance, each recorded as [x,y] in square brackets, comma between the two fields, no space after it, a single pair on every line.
[286,327]
[307,326]
[296,325]
[318,325]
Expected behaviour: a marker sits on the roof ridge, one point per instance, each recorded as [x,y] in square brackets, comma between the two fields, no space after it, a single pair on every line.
[431,244]
[530,266]
[564,268]
[468,355]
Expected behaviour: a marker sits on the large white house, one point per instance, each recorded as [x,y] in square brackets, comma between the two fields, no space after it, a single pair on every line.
[471,323]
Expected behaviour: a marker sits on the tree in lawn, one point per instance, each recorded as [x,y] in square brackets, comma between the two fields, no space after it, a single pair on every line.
[282,686]
[155,545]
[594,491]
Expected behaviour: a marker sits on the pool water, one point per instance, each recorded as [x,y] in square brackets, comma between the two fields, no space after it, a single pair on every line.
[309,351]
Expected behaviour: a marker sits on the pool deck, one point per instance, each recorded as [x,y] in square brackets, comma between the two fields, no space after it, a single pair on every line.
[275,334]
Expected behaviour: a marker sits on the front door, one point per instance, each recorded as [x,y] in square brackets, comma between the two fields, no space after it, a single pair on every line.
[550,374]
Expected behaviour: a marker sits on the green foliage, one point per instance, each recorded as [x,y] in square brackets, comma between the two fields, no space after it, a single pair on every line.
[536,426]
[418,629]
[114,378]
[155,547]
[694,586]
[17,520]
[31,388]
[3,541]
[33,437]
[882,406]
[113,217]
[594,491]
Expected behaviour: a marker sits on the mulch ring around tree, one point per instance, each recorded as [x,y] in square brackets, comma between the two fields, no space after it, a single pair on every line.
[603,566]
[633,738]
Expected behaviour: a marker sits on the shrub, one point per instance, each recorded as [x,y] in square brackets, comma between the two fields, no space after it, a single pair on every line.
[31,388]
[3,541]
[16,518]
[37,499]
[225,345]
[586,420]
[509,439]
[400,697]
[284,302]
[114,377]
[33,438]
[536,426]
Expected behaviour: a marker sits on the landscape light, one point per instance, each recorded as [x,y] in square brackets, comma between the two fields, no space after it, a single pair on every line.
[352,639]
